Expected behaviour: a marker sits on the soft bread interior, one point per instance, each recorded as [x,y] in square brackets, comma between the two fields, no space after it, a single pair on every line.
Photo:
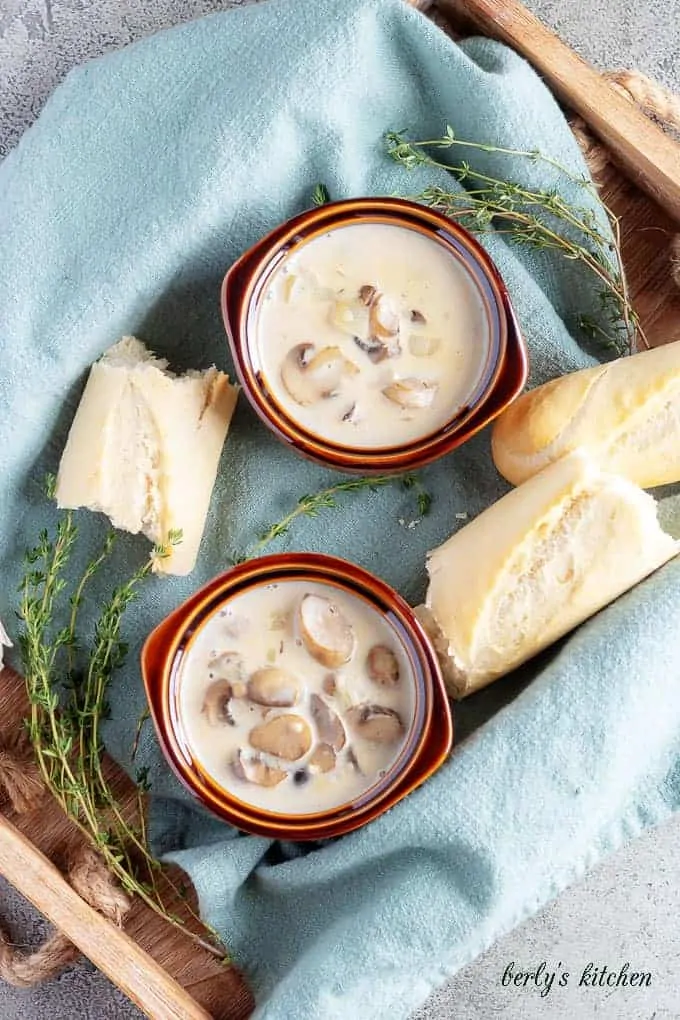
[535,565]
[145,445]
[650,437]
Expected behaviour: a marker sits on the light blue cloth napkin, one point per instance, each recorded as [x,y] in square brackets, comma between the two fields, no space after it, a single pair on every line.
[148,173]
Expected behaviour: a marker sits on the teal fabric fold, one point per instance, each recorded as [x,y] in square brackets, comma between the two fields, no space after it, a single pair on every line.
[147,174]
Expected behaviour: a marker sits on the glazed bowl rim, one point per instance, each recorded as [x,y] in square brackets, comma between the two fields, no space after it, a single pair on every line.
[194,613]
[241,292]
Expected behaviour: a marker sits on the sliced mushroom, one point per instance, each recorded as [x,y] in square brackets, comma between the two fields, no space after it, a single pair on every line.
[326,633]
[309,377]
[285,736]
[328,723]
[411,393]
[254,770]
[376,723]
[382,666]
[374,326]
[323,758]
[383,317]
[422,346]
[273,686]
[376,349]
[366,294]
[216,703]
[349,413]
[330,684]
[417,316]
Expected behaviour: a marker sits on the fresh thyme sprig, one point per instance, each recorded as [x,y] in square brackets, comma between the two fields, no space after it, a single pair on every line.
[536,218]
[67,689]
[145,715]
[310,505]
[65,730]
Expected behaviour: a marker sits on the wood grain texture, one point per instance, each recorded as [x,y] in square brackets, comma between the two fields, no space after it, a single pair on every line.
[648,227]
[649,157]
[144,981]
[188,976]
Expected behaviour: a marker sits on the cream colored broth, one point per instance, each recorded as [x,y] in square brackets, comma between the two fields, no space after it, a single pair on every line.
[262,627]
[397,386]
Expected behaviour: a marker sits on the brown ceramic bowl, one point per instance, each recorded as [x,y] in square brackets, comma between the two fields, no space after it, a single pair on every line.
[503,376]
[429,735]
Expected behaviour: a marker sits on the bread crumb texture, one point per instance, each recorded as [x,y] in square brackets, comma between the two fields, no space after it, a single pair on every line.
[144,447]
[537,563]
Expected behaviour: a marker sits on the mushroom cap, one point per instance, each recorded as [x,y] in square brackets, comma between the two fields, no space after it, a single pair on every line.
[309,377]
[323,758]
[285,736]
[411,393]
[328,723]
[254,770]
[325,631]
[382,666]
[376,723]
[274,686]
[383,317]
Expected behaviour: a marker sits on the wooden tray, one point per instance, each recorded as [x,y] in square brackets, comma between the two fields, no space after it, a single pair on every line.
[161,970]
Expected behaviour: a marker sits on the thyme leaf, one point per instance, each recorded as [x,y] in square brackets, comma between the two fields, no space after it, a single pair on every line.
[67,683]
[320,195]
[310,505]
[65,731]
[538,219]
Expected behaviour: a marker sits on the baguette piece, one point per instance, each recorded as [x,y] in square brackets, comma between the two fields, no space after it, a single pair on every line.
[627,414]
[144,448]
[536,564]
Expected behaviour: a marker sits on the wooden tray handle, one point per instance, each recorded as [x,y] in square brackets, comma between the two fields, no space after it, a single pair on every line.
[87,910]
[651,97]
[90,878]
[649,157]
[505,19]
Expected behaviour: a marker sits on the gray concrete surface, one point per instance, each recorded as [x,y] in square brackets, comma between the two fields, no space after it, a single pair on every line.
[625,911]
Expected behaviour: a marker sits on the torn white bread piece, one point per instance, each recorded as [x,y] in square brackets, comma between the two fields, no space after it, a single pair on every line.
[144,448]
[4,641]
[537,563]
[626,413]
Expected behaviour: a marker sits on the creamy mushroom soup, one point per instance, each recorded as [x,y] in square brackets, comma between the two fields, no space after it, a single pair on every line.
[371,335]
[296,697]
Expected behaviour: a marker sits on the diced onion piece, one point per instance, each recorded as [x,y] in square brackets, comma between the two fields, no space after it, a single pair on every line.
[290,286]
[351,318]
[422,346]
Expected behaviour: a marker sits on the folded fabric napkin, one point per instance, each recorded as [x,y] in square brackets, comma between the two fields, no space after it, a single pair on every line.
[147,174]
